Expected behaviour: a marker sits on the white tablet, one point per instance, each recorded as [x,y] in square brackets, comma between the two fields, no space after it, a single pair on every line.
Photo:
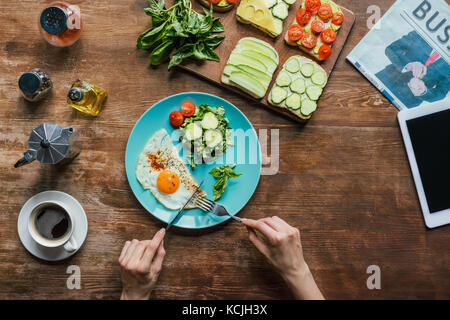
[426,133]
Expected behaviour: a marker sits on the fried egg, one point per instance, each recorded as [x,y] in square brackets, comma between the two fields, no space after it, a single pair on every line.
[161,170]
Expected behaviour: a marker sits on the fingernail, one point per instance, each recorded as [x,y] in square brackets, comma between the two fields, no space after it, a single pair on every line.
[162,230]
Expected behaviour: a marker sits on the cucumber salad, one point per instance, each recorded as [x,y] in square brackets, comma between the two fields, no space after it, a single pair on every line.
[205,132]
[298,86]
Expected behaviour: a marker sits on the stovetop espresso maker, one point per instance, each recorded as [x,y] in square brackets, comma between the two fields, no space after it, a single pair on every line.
[51,144]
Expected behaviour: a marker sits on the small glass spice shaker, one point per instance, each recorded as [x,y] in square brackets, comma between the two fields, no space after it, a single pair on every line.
[35,84]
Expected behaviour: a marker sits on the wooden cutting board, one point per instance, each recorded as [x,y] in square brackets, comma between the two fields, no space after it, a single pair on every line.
[234,31]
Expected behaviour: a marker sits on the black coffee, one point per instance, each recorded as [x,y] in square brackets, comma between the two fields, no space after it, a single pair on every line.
[52,222]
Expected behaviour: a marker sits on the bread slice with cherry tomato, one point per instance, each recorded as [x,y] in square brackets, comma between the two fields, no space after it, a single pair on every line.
[315,27]
[219,5]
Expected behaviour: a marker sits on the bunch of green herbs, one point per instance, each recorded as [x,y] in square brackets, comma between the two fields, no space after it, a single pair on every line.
[180,29]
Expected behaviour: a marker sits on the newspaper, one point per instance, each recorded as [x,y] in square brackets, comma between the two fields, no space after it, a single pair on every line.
[406,55]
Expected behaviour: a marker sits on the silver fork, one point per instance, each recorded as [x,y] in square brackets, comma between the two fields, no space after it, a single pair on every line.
[214,207]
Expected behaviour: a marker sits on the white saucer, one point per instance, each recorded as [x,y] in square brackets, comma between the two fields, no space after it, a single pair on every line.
[79,232]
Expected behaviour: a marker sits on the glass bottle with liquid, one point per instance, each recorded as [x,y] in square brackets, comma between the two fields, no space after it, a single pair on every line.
[85,97]
[60,24]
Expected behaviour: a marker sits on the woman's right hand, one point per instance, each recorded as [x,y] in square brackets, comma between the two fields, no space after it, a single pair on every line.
[280,244]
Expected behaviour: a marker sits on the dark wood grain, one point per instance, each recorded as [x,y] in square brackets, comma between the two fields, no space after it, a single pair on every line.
[235,30]
[344,178]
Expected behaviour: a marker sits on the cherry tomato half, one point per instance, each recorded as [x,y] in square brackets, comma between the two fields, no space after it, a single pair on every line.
[317,26]
[214,1]
[312,6]
[176,118]
[328,36]
[325,12]
[295,32]
[187,108]
[308,40]
[324,51]
[338,18]
[302,16]
[232,1]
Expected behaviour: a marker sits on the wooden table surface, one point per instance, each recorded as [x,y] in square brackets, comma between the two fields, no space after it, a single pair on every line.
[344,179]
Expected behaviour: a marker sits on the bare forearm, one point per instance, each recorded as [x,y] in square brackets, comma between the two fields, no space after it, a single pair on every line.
[302,284]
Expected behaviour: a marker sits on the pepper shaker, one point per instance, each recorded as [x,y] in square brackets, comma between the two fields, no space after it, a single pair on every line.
[35,84]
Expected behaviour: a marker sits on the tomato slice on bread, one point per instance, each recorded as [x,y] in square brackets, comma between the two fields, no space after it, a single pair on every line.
[302,16]
[308,40]
[324,51]
[317,26]
[214,1]
[176,118]
[232,1]
[325,12]
[338,18]
[295,33]
[328,36]
[312,6]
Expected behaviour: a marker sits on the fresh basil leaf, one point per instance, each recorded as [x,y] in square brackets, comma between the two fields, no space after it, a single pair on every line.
[213,40]
[181,54]
[161,53]
[217,26]
[219,187]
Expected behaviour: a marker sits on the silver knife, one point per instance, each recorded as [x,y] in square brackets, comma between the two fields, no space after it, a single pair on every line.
[181,210]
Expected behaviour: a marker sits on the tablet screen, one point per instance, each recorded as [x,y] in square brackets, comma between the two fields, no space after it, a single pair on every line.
[430,137]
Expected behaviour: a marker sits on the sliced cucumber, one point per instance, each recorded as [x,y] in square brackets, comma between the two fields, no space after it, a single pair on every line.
[228,69]
[298,85]
[248,84]
[308,107]
[278,94]
[278,26]
[280,10]
[314,92]
[319,78]
[209,121]
[292,65]
[293,101]
[270,64]
[238,58]
[193,131]
[290,1]
[335,27]
[270,3]
[307,69]
[317,47]
[212,137]
[283,79]
[258,75]
[252,44]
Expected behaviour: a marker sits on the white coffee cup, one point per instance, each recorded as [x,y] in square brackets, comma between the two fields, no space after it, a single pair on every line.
[66,241]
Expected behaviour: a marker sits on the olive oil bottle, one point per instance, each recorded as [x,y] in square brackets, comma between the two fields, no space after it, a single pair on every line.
[85,97]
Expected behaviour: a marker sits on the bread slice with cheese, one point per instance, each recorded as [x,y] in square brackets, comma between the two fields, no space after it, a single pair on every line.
[266,15]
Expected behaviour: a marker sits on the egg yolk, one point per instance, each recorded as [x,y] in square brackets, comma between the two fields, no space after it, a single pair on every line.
[167,182]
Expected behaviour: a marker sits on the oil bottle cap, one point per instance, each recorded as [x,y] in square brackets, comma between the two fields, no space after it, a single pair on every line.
[54,20]
[29,82]
[75,94]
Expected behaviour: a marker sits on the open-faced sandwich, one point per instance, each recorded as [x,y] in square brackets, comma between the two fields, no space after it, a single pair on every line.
[219,5]
[298,86]
[315,27]
[250,66]
[266,15]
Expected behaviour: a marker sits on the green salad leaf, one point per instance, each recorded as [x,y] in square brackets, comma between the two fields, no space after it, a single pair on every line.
[181,30]
[222,174]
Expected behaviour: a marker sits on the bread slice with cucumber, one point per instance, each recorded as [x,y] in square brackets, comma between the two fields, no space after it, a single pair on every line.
[298,86]
[251,66]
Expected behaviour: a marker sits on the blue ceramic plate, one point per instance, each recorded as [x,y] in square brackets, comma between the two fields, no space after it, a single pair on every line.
[246,153]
